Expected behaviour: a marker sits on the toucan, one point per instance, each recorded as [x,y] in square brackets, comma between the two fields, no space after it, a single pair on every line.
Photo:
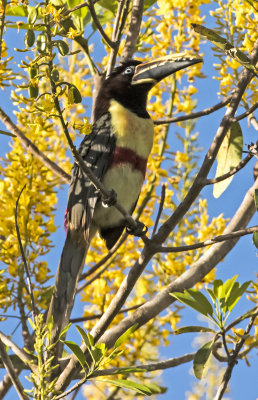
[116,151]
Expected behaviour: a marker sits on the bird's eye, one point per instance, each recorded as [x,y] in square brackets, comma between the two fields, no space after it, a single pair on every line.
[129,71]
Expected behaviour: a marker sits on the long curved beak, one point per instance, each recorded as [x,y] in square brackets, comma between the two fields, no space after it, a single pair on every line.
[154,71]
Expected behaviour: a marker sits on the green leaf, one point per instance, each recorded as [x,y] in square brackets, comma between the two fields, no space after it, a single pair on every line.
[217,287]
[148,4]
[108,5]
[96,353]
[84,336]
[255,239]
[77,352]
[74,96]
[32,15]
[236,293]
[16,11]
[226,46]
[33,91]
[256,198]
[41,43]
[196,300]
[125,335]
[29,38]
[64,330]
[226,291]
[126,384]
[63,47]
[228,157]
[212,295]
[189,329]
[201,360]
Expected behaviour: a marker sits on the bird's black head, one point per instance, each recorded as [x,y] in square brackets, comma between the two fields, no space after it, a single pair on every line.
[130,83]
[118,86]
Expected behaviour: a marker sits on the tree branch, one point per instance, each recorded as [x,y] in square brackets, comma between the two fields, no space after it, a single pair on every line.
[19,352]
[209,242]
[248,112]
[98,25]
[197,114]
[133,31]
[12,373]
[29,146]
[233,359]
[233,171]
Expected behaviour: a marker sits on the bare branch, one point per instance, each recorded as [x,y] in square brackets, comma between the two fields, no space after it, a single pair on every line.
[161,365]
[29,146]
[96,316]
[19,352]
[12,373]
[233,171]
[248,112]
[161,205]
[198,114]
[98,25]
[233,359]
[23,256]
[133,32]
[157,366]
[254,122]
[209,242]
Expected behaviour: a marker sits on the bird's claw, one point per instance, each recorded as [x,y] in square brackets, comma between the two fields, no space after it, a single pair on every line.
[110,200]
[139,231]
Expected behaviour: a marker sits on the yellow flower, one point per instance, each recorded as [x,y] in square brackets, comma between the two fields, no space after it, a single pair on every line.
[181,158]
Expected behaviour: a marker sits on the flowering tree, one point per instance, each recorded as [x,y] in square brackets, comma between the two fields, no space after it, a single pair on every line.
[129,293]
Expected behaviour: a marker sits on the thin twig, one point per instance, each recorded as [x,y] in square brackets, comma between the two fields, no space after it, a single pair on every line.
[161,205]
[98,24]
[33,149]
[12,373]
[233,171]
[123,9]
[96,316]
[209,242]
[161,365]
[24,257]
[233,359]
[16,349]
[248,112]
[197,114]
[246,315]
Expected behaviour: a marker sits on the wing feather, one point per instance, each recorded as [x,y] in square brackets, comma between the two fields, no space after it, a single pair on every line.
[97,151]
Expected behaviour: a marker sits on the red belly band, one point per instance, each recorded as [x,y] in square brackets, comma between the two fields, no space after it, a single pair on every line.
[124,155]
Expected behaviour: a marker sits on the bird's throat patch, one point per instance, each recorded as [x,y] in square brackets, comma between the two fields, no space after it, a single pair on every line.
[124,155]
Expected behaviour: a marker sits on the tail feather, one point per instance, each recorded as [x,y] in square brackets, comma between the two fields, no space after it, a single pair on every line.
[69,270]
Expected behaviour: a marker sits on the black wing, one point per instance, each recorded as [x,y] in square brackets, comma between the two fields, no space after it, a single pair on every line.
[97,151]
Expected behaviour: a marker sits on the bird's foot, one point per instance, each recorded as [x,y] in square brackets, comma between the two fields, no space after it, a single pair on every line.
[140,229]
[110,200]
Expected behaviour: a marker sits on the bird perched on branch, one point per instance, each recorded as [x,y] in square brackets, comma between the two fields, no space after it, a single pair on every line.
[116,151]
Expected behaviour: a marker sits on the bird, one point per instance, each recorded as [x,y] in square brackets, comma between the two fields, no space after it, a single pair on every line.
[116,151]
